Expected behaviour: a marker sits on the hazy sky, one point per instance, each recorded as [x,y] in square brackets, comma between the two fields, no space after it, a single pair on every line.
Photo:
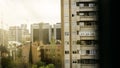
[16,12]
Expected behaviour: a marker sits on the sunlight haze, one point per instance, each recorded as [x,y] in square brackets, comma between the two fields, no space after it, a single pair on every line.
[16,12]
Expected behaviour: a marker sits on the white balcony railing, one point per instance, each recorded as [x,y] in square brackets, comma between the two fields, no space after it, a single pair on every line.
[86,18]
[85,0]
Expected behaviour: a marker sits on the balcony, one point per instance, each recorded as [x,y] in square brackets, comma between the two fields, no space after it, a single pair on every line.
[88,56]
[85,0]
[86,8]
[87,37]
[86,18]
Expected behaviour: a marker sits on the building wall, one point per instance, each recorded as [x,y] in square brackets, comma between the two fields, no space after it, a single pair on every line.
[3,37]
[41,32]
[18,34]
[15,34]
[79,35]
[52,54]
[57,31]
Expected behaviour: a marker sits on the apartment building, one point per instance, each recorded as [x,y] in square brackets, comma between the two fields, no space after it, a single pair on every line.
[79,37]
[52,54]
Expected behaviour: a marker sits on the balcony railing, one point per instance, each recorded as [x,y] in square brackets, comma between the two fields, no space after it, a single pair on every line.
[86,0]
[86,18]
[86,8]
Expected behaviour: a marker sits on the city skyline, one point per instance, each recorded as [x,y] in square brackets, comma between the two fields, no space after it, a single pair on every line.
[16,12]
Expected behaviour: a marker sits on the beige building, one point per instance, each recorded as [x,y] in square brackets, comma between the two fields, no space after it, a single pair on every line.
[79,37]
[35,53]
[46,53]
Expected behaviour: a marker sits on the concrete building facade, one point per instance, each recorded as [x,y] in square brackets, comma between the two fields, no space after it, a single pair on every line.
[3,37]
[19,33]
[15,34]
[57,31]
[79,37]
[41,32]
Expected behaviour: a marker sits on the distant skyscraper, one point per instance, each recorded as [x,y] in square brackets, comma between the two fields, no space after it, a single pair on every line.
[57,31]
[15,34]
[3,37]
[79,38]
[41,32]
[25,33]
[18,34]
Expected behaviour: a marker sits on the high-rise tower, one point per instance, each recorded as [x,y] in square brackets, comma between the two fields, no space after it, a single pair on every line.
[79,37]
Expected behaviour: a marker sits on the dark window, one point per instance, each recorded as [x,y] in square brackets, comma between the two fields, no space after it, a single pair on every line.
[77,32]
[88,42]
[78,42]
[66,52]
[77,22]
[87,51]
[77,3]
[72,15]
[87,61]
[74,52]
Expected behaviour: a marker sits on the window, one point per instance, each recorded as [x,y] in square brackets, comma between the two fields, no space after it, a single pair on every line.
[93,52]
[78,42]
[77,3]
[67,61]
[72,15]
[81,4]
[77,22]
[66,33]
[83,52]
[87,51]
[74,52]
[74,61]
[88,42]
[91,13]
[81,23]
[66,42]
[81,14]
[87,61]
[88,23]
[82,42]
[66,52]
[77,32]
[91,4]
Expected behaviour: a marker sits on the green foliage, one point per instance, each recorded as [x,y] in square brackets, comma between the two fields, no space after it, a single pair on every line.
[40,63]
[6,62]
[42,67]
[19,54]
[34,66]
[50,66]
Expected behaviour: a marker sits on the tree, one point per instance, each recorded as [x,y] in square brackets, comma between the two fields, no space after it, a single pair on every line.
[30,55]
[50,66]
[6,62]
[34,66]
[42,67]
[40,63]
